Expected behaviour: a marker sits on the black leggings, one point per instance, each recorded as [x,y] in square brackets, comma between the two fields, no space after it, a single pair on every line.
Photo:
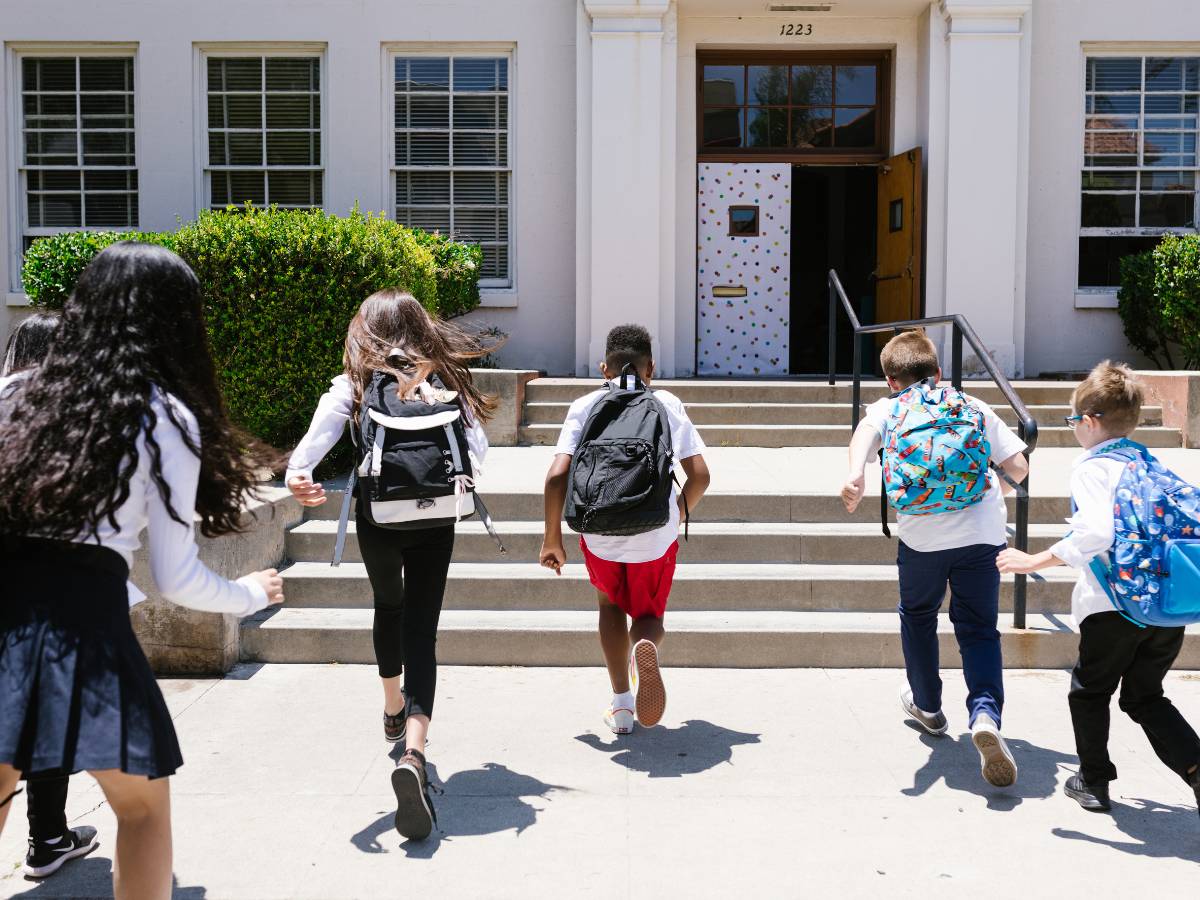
[408,577]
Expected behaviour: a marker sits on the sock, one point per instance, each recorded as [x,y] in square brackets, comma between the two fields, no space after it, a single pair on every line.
[623,701]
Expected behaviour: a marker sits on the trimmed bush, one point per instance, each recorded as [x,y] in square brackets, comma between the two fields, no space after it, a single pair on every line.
[1141,314]
[280,288]
[1177,286]
[53,264]
[457,272]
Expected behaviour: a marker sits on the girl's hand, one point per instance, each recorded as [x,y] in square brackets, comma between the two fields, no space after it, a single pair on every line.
[553,557]
[305,491]
[272,583]
[1015,562]
[853,491]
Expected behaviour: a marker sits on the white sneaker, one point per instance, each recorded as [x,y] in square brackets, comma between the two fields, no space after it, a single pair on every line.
[619,719]
[647,683]
[995,761]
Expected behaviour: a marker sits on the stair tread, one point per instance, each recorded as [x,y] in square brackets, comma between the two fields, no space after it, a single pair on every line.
[742,571]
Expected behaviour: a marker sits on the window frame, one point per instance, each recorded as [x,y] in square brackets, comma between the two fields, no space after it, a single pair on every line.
[295,49]
[18,211]
[1104,296]
[489,287]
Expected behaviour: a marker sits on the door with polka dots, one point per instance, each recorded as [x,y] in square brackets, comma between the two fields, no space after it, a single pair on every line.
[743,265]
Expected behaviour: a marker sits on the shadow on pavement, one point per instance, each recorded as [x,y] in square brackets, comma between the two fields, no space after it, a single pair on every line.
[1158,830]
[694,747]
[92,877]
[956,761]
[471,803]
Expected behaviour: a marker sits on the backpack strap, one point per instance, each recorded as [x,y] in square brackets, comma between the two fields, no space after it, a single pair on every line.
[887,532]
[687,516]
[339,545]
[486,518]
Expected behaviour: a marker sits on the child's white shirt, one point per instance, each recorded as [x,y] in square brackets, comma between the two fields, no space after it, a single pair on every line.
[1094,483]
[174,556]
[685,442]
[329,421]
[984,522]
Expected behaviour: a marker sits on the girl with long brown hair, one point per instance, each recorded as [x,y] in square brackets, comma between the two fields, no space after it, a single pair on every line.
[393,334]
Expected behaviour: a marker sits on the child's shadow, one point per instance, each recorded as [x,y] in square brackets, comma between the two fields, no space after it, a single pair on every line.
[480,801]
[694,747]
[956,761]
[1158,830]
[92,877]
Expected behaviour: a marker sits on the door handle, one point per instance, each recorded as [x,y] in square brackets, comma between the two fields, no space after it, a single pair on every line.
[729,290]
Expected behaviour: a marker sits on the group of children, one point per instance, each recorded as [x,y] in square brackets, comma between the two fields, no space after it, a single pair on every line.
[87,464]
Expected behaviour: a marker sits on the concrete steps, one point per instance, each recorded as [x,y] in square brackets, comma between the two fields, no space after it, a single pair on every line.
[700,639]
[698,586]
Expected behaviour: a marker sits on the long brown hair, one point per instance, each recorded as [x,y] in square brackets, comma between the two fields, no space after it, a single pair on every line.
[394,319]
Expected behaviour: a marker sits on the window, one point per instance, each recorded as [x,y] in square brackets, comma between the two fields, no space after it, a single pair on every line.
[264,131]
[452,162]
[1139,158]
[743,221]
[817,106]
[77,157]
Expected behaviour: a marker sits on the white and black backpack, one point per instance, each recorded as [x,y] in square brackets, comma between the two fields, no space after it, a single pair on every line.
[415,468]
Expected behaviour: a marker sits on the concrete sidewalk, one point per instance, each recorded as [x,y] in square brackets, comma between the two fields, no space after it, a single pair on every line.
[759,783]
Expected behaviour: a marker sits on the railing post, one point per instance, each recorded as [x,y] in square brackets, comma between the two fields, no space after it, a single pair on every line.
[832,331]
[856,393]
[956,339]
[1020,582]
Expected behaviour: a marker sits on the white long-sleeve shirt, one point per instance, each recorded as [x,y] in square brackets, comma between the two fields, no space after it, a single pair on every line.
[1094,483]
[174,557]
[329,421]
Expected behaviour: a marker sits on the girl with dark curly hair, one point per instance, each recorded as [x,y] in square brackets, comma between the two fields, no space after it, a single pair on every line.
[121,428]
[394,334]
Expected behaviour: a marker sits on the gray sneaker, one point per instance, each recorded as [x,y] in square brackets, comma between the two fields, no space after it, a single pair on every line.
[933,723]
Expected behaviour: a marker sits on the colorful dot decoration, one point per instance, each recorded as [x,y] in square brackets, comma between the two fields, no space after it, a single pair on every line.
[728,344]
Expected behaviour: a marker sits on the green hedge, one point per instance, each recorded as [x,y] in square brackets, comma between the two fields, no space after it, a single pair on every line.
[1159,301]
[280,287]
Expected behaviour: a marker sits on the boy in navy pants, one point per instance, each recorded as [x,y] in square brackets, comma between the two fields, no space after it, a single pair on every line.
[955,549]
[1112,649]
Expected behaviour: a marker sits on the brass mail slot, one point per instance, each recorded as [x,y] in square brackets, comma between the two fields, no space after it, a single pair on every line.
[729,290]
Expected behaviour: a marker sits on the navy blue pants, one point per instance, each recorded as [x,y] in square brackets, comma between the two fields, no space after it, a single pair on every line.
[974,582]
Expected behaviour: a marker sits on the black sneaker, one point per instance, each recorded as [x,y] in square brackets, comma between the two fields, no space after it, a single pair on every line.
[47,857]
[1090,796]
[415,816]
[394,727]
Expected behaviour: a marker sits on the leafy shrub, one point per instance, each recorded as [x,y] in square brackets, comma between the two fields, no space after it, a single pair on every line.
[1177,286]
[1141,314]
[457,272]
[280,288]
[53,264]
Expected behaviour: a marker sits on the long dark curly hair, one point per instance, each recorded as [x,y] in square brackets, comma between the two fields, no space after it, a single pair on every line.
[69,443]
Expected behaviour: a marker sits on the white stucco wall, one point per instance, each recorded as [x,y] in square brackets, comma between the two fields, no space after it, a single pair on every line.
[1059,336]
[538,313]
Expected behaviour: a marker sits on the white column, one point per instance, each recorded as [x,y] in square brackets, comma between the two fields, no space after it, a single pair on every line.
[623,268]
[986,161]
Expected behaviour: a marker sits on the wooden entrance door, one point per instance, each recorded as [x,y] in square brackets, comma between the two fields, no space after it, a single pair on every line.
[898,245]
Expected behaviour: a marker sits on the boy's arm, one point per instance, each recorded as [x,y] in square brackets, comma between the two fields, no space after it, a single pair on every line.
[696,482]
[1015,467]
[1091,528]
[865,444]
[553,555]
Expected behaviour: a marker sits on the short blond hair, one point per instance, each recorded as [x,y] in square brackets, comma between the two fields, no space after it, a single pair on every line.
[909,357]
[1112,392]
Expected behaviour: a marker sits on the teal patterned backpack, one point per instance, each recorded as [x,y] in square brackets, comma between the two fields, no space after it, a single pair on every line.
[935,451]
[1152,571]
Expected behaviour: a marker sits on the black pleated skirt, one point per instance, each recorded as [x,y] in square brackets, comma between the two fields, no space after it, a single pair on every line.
[76,691]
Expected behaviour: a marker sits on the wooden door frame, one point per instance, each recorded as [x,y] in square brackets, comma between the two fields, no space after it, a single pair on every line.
[882,59]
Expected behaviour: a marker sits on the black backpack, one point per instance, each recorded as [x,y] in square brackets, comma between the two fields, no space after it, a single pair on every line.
[621,473]
[415,467]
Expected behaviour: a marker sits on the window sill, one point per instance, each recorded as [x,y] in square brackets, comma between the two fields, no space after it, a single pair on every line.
[13,298]
[1095,298]
[497,298]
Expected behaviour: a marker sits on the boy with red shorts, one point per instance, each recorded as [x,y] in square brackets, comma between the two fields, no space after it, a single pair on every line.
[632,574]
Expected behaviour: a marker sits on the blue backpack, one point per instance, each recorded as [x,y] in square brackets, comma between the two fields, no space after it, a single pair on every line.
[935,451]
[1152,574]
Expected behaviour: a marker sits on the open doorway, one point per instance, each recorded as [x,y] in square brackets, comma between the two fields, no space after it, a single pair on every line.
[834,211]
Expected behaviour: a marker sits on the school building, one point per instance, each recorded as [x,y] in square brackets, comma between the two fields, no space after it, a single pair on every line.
[695,165]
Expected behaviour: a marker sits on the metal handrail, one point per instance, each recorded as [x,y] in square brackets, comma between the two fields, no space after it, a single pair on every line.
[1027,426]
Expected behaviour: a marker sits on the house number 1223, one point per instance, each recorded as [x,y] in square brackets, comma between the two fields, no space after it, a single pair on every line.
[796,29]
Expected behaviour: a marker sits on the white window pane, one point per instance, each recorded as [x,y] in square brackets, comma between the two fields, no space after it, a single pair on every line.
[294,148]
[114,210]
[479,188]
[51,148]
[475,149]
[421,73]
[480,74]
[427,149]
[100,111]
[105,74]
[294,188]
[294,74]
[235,74]
[429,111]
[293,111]
[432,220]
[420,188]
[1119,74]
[49,111]
[57,74]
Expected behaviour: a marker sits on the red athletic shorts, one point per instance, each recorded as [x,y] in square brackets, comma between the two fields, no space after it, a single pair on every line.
[640,589]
